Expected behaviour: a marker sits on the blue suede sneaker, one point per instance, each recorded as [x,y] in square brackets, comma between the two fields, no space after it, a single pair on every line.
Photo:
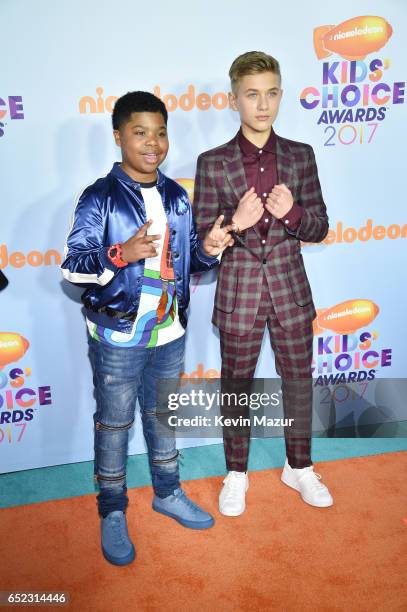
[116,544]
[183,510]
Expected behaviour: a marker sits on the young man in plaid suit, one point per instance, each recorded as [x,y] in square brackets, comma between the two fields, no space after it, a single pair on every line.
[268,188]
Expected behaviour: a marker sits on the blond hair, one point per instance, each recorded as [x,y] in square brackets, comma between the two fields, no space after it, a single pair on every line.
[252,62]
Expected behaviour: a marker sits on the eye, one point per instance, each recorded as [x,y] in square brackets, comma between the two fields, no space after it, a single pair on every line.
[139,133]
[163,134]
[251,95]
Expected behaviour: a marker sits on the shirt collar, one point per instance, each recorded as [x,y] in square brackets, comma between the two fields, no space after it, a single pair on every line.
[248,148]
[119,173]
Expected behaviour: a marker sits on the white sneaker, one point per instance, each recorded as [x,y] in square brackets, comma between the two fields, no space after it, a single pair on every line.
[307,482]
[232,497]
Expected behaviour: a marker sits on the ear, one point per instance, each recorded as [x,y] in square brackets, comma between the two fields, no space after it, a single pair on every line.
[232,100]
[116,134]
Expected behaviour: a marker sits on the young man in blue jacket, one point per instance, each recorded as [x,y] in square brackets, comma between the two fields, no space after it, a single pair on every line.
[133,245]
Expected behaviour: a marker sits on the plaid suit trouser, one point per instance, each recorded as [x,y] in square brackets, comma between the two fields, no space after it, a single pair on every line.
[293,359]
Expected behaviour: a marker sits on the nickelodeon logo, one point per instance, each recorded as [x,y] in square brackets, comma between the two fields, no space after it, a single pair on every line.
[18,259]
[199,375]
[346,317]
[352,39]
[365,233]
[186,101]
[12,347]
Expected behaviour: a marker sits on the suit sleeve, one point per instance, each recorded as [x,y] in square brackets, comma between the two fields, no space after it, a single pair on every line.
[200,262]
[313,226]
[86,262]
[206,200]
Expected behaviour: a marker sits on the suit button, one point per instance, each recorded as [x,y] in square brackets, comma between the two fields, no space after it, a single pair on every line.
[264,261]
[173,232]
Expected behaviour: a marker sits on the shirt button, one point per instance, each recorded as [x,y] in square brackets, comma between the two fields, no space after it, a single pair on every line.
[173,232]
[265,194]
[260,151]
[263,242]
[266,220]
[261,169]
[286,222]
[264,261]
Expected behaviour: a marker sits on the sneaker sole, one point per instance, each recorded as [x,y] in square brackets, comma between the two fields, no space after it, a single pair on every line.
[296,488]
[120,560]
[232,513]
[184,522]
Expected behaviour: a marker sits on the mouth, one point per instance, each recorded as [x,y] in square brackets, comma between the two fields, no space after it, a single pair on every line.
[151,158]
[262,117]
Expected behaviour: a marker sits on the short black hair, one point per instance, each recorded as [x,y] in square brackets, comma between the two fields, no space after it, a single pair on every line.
[136,102]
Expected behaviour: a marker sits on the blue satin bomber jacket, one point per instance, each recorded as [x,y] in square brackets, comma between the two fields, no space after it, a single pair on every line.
[111,211]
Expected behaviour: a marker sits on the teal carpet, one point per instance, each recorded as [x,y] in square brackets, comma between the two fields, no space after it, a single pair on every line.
[63,481]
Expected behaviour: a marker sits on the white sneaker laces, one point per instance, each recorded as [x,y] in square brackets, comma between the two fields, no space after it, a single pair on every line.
[314,479]
[232,485]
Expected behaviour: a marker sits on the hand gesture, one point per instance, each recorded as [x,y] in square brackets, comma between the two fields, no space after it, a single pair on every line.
[140,246]
[218,238]
[280,201]
[249,210]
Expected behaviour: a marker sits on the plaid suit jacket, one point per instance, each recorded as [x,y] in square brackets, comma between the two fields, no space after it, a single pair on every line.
[220,182]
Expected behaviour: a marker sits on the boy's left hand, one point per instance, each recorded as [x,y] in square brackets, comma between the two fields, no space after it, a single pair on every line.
[279,201]
[218,238]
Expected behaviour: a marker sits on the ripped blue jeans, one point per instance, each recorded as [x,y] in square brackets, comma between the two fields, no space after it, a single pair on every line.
[120,377]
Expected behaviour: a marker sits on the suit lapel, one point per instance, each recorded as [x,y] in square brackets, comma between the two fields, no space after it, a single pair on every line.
[285,163]
[285,175]
[234,171]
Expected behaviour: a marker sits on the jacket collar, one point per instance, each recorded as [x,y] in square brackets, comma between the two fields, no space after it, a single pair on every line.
[248,148]
[234,169]
[233,152]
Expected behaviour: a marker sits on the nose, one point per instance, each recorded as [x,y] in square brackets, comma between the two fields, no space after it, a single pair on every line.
[152,139]
[262,102]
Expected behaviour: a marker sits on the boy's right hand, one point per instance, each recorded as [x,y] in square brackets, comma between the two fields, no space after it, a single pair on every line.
[140,246]
[249,210]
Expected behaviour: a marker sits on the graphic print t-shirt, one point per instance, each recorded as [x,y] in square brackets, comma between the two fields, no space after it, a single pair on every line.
[157,319]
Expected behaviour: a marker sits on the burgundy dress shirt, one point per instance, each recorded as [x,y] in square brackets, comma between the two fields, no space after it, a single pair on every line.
[260,166]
